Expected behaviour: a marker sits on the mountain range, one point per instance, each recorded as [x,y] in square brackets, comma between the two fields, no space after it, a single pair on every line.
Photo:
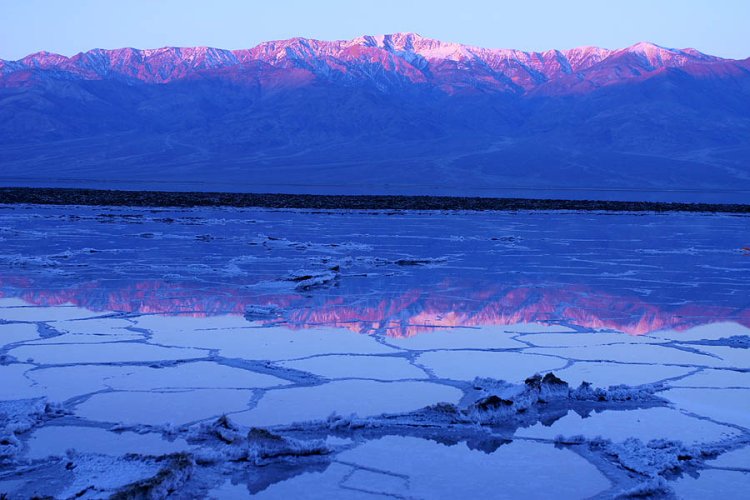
[390,114]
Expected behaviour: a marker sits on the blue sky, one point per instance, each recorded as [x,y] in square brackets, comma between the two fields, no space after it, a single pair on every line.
[69,26]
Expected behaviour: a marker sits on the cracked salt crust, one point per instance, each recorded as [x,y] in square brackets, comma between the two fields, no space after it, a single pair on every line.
[361,397]
[710,331]
[20,332]
[584,339]
[736,459]
[635,353]
[731,357]
[16,384]
[731,406]
[273,344]
[129,378]
[425,469]
[35,314]
[606,374]
[653,423]
[116,352]
[466,365]
[356,366]
[57,440]
[715,378]
[459,338]
[713,484]
[163,407]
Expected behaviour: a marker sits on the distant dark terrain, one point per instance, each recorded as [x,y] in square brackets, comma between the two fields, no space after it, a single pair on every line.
[398,114]
[390,203]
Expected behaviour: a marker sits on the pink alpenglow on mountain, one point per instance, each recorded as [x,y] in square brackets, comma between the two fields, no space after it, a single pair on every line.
[407,56]
[390,114]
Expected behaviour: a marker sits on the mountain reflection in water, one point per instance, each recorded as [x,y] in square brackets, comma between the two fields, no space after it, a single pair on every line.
[403,314]
[398,274]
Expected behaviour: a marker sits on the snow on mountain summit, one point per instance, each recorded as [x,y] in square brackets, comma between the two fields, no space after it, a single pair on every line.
[405,57]
[657,56]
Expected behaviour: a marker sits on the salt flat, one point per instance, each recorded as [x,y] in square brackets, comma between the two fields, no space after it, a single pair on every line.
[224,352]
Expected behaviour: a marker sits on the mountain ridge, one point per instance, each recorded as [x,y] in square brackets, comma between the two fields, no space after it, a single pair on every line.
[403,41]
[391,114]
[415,58]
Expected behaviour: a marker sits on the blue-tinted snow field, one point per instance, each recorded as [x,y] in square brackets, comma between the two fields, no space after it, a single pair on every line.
[221,353]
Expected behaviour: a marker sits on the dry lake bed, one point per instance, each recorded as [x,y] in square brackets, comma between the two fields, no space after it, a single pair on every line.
[224,352]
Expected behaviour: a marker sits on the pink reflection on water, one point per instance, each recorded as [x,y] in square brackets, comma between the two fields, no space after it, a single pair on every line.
[405,314]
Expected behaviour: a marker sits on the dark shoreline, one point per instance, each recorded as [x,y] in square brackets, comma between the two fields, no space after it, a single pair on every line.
[101,197]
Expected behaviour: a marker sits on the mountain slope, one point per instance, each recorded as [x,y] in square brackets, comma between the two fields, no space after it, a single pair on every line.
[393,114]
[401,57]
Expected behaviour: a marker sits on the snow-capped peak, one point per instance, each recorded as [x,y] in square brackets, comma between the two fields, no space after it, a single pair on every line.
[657,56]
[407,55]
[413,43]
